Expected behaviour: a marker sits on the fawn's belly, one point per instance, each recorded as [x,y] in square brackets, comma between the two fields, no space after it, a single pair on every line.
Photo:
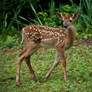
[48,43]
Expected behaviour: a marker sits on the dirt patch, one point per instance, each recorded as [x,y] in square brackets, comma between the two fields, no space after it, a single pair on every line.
[8,51]
[83,43]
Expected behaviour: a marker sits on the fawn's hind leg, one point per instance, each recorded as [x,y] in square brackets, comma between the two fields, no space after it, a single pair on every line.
[27,59]
[30,48]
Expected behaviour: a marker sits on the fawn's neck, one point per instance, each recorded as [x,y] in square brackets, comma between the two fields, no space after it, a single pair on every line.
[71,36]
[72,33]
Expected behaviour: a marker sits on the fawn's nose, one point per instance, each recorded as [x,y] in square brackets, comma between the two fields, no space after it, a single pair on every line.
[65,25]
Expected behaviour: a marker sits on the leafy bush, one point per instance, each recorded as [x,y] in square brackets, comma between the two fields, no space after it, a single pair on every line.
[34,12]
[85,17]
[9,42]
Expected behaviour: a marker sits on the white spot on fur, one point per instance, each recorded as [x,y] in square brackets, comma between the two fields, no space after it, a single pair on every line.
[30,27]
[62,35]
[47,39]
[41,37]
[27,33]
[60,30]
[36,30]
[55,35]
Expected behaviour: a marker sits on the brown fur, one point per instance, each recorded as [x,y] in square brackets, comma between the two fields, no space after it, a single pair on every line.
[36,36]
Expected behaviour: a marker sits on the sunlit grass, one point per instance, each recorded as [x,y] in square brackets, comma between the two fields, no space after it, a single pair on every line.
[79,69]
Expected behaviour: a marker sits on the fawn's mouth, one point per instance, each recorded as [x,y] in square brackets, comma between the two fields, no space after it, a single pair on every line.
[65,25]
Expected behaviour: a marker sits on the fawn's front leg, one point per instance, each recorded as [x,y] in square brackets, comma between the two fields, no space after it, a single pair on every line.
[62,56]
[54,65]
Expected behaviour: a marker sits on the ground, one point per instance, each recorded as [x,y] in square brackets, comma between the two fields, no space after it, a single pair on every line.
[79,69]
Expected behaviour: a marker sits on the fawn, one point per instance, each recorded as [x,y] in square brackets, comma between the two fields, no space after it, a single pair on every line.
[36,36]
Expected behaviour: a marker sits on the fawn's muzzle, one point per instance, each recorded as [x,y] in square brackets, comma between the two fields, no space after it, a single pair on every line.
[65,25]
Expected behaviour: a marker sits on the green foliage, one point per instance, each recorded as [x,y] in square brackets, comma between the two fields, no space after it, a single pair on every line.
[79,69]
[36,14]
[9,14]
[19,13]
[67,9]
[52,8]
[85,17]
[9,42]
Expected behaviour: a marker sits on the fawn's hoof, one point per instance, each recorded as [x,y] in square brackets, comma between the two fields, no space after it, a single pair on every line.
[40,78]
[34,78]
[18,83]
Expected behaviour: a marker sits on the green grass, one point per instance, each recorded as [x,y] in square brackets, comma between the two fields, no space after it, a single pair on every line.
[79,69]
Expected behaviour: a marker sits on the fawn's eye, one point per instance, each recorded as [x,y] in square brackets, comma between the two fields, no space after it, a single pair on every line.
[70,20]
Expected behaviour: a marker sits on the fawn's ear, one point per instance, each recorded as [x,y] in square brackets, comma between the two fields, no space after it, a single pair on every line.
[75,15]
[59,15]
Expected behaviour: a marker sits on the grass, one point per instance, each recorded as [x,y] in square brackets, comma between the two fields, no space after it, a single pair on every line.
[79,69]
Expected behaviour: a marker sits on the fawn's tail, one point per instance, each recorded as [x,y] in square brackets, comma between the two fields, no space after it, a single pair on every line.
[22,37]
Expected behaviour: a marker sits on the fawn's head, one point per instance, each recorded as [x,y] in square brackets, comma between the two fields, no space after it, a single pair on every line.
[67,20]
